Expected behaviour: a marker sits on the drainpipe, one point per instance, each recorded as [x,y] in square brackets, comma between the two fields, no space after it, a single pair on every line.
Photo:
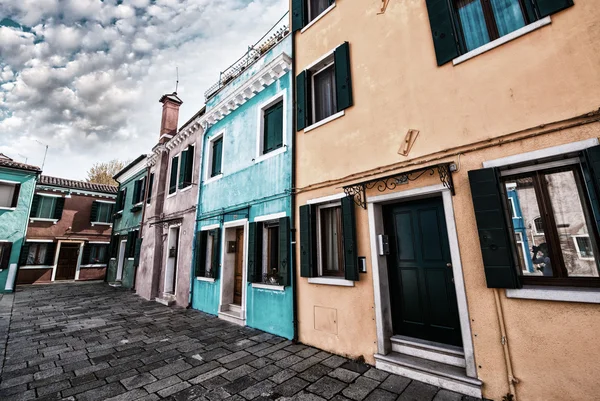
[292,197]
[512,380]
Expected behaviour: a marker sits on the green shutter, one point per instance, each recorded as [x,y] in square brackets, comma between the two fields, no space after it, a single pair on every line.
[200,266]
[302,109]
[35,205]
[442,30]
[130,246]
[349,231]
[136,192]
[298,14]
[114,246]
[255,252]
[24,254]
[94,212]
[15,198]
[343,77]
[87,252]
[5,261]
[308,256]
[150,185]
[547,7]
[495,231]
[173,179]
[189,167]
[50,254]
[137,252]
[58,208]
[592,178]
[285,260]
[182,168]
[216,253]
[273,127]
[217,156]
[118,201]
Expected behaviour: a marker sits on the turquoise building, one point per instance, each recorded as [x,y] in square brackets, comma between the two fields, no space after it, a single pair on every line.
[17,186]
[125,239]
[242,248]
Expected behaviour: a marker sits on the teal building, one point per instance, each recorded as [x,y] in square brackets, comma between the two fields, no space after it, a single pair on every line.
[129,209]
[242,249]
[17,186]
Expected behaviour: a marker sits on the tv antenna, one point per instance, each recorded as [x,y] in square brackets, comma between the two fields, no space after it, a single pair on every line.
[177,82]
[45,153]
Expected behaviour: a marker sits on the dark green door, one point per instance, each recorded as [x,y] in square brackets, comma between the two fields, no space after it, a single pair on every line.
[420,272]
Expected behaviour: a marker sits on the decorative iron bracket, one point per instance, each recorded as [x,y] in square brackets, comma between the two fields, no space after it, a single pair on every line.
[358,191]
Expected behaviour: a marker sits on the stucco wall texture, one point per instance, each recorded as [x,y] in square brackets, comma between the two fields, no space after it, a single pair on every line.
[518,91]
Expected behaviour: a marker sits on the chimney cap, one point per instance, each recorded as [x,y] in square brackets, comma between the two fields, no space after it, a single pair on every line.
[172,97]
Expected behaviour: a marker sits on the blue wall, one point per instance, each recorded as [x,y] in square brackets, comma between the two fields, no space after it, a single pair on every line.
[13,223]
[250,188]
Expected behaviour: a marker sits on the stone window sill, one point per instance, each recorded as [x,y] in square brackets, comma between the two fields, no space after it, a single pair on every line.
[268,287]
[324,121]
[54,221]
[207,279]
[314,21]
[7,208]
[331,281]
[563,294]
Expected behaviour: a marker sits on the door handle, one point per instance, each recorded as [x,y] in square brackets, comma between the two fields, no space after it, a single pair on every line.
[449,265]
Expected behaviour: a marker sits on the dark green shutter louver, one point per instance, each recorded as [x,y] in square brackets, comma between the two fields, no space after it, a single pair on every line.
[5,261]
[298,15]
[592,178]
[24,254]
[118,201]
[142,190]
[547,7]
[15,198]
[285,260]
[130,247]
[273,127]
[255,252]
[216,253]
[35,205]
[136,192]
[343,77]
[217,157]
[94,212]
[150,185]
[182,168]
[173,178]
[87,252]
[189,167]
[200,266]
[58,209]
[442,30]
[114,246]
[50,254]
[495,232]
[349,230]
[308,257]
[137,252]
[302,109]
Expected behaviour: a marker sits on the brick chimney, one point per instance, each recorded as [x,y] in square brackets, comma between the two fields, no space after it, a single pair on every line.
[170,116]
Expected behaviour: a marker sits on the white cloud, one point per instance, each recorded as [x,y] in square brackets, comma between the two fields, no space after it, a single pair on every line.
[86,77]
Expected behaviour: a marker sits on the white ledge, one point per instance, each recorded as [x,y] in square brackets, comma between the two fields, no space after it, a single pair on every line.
[7,208]
[272,153]
[314,21]
[207,279]
[54,221]
[564,294]
[502,40]
[99,223]
[324,121]
[186,188]
[94,265]
[268,287]
[331,281]
[33,267]
[213,179]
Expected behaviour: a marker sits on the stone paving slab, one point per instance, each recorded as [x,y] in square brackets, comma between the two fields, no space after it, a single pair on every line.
[94,342]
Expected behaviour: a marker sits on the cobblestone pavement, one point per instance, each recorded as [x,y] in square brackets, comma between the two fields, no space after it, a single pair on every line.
[93,342]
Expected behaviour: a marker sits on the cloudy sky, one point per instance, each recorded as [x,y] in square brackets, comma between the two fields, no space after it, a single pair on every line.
[85,76]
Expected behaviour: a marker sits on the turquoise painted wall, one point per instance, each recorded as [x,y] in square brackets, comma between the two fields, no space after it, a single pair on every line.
[262,188]
[13,223]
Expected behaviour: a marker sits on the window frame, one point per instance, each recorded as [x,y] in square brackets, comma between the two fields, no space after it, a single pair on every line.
[308,22]
[209,157]
[267,226]
[192,156]
[110,214]
[260,154]
[38,245]
[169,193]
[578,249]
[340,274]
[15,194]
[52,209]
[330,64]
[150,188]
[536,171]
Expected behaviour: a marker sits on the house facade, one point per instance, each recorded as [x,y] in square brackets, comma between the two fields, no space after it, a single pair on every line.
[128,213]
[446,190]
[165,264]
[68,235]
[17,186]
[242,251]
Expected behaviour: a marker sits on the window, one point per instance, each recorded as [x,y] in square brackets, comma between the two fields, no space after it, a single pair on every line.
[174,173]
[316,7]
[268,251]
[187,167]
[215,160]
[9,194]
[37,254]
[101,212]
[98,254]
[306,11]
[477,22]
[5,248]
[324,89]
[556,201]
[139,188]
[330,240]
[132,237]
[271,249]
[150,185]
[121,198]
[272,125]
[47,207]
[207,253]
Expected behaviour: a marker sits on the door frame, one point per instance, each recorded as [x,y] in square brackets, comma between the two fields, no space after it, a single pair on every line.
[176,264]
[234,224]
[383,312]
[121,261]
[57,252]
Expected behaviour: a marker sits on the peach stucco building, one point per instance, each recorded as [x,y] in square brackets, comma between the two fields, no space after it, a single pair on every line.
[447,177]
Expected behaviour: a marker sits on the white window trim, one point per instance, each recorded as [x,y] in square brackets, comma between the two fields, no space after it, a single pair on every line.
[39,240]
[324,199]
[318,17]
[319,251]
[521,243]
[563,294]
[32,219]
[269,217]
[94,265]
[100,223]
[138,204]
[574,237]
[325,121]
[36,267]
[209,157]
[10,182]
[331,281]
[268,287]
[186,188]
[99,242]
[52,195]
[328,63]
[502,40]
[7,208]
[260,156]
[513,208]
[207,279]
[210,227]
[110,202]
[178,156]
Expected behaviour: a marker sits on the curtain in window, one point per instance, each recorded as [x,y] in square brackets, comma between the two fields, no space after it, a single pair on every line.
[46,207]
[6,194]
[324,94]
[317,7]
[331,235]
[508,16]
[37,254]
[473,23]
